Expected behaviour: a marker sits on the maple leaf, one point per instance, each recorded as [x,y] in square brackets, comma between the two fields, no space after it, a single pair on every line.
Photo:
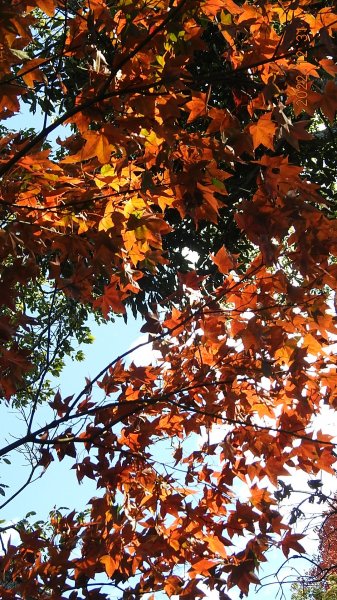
[109,563]
[203,565]
[197,106]
[329,66]
[243,576]
[261,497]
[325,19]
[291,542]
[224,260]
[111,300]
[173,585]
[263,132]
[309,103]
[217,546]
[97,145]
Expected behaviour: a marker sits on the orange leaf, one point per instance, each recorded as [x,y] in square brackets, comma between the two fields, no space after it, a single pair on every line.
[329,66]
[224,260]
[212,7]
[197,106]
[312,345]
[30,73]
[203,566]
[111,300]
[109,564]
[216,546]
[308,104]
[263,132]
[260,497]
[232,7]
[172,585]
[329,100]
[97,145]
[47,6]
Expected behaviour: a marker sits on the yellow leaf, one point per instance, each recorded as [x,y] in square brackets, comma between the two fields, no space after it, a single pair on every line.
[109,564]
[134,206]
[225,19]
[106,222]
[284,354]
[161,60]
[152,140]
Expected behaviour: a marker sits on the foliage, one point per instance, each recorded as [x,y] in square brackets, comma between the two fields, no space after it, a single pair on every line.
[50,327]
[316,591]
[321,581]
[189,128]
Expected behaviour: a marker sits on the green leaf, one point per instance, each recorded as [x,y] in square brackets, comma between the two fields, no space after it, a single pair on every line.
[20,54]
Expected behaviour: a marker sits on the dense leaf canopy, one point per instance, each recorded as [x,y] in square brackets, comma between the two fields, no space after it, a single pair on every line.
[192,180]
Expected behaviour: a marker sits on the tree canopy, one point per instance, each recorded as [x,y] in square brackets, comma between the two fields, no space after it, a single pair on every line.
[203,126]
[320,582]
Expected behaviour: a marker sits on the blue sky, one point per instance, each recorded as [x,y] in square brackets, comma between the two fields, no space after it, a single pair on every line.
[111,340]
